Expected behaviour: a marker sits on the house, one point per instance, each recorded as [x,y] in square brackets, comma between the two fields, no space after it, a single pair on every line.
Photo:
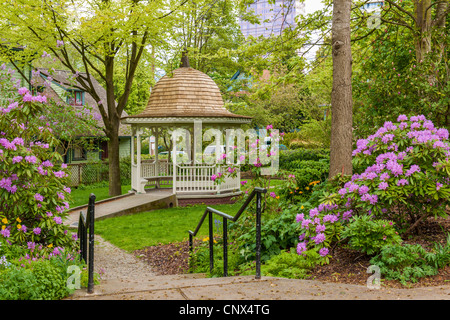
[55,85]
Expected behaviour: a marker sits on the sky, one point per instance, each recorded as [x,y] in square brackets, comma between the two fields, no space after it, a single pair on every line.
[310,7]
[313,5]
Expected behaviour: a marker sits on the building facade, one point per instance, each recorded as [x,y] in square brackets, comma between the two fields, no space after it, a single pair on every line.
[373,5]
[274,18]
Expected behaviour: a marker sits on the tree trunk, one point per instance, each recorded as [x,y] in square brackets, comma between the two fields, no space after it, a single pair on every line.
[441,20]
[112,131]
[115,187]
[423,24]
[341,95]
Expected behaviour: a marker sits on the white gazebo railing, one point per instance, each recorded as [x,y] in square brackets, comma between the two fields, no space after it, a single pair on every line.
[194,179]
[188,179]
[155,169]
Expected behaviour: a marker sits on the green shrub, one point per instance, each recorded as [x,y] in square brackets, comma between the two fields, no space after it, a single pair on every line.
[370,235]
[289,264]
[289,156]
[405,263]
[307,171]
[277,233]
[43,279]
[18,284]
[50,280]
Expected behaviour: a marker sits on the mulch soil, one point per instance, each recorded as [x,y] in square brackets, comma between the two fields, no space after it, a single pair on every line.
[346,266]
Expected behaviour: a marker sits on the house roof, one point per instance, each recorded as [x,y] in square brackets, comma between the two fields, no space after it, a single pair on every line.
[186,93]
[60,79]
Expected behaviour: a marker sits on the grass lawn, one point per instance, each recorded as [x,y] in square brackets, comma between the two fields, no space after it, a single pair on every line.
[80,196]
[140,230]
[133,232]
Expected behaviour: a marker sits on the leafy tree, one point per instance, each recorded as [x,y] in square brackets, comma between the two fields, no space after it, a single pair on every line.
[402,68]
[90,36]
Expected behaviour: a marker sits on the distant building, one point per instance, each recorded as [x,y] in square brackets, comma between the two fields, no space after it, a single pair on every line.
[374,5]
[274,18]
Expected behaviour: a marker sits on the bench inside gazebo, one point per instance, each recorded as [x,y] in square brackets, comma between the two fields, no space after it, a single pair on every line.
[183,100]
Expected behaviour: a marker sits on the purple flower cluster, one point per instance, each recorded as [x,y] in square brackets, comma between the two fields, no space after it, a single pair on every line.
[20,156]
[393,147]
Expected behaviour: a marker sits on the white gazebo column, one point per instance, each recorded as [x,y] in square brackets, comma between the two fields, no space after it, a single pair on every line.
[156,135]
[139,179]
[174,163]
[133,163]
[198,139]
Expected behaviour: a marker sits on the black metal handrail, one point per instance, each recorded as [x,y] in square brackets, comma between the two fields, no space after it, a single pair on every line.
[85,223]
[210,211]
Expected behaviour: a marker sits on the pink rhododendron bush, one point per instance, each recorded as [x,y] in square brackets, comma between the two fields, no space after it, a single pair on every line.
[401,179]
[33,179]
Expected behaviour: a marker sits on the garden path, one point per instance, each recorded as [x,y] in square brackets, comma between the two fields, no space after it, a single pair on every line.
[112,262]
[125,204]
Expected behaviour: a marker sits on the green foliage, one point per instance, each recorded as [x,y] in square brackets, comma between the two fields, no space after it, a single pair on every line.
[44,279]
[392,75]
[50,282]
[440,256]
[370,235]
[289,156]
[84,278]
[277,233]
[199,259]
[314,134]
[288,264]
[18,284]
[405,263]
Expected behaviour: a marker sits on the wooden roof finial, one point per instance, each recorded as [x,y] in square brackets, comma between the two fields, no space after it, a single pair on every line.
[184,59]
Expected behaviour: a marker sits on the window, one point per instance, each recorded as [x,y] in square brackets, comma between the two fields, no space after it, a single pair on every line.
[75,98]
[78,154]
[36,90]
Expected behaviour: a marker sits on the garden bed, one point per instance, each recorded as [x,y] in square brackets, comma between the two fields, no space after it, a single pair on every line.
[346,266]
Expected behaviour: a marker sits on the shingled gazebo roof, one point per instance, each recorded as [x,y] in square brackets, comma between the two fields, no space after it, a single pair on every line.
[184,94]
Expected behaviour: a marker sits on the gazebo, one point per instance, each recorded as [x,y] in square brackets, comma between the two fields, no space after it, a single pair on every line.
[183,103]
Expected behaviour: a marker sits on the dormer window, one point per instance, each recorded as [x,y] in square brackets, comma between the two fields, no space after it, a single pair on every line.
[75,98]
[37,90]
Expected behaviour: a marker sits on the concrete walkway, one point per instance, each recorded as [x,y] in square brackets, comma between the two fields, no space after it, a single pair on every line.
[127,204]
[195,287]
[126,277]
